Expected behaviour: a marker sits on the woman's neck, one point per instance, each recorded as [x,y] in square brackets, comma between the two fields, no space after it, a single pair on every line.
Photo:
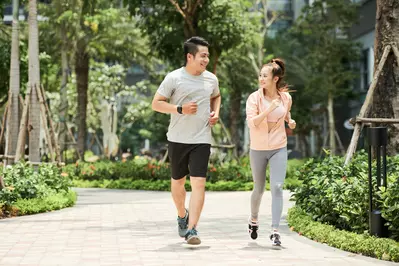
[271,93]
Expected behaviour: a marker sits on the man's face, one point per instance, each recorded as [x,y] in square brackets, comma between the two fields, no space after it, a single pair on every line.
[200,60]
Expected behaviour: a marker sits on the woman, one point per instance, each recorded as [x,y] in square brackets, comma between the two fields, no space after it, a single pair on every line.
[267,109]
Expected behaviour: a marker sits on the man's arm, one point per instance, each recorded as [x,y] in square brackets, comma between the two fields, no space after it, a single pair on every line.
[215,104]
[215,108]
[160,104]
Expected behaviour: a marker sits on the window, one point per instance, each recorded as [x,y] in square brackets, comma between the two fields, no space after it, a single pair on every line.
[365,68]
[278,26]
[279,5]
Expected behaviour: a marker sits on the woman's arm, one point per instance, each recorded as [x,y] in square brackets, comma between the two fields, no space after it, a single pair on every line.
[254,119]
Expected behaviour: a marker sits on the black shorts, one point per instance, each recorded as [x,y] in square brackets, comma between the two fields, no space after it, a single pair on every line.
[188,159]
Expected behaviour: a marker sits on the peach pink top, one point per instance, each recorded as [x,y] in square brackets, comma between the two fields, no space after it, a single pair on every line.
[261,138]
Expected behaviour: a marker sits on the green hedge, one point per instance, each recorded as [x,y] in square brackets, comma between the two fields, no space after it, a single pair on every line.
[36,205]
[381,248]
[236,172]
[338,195]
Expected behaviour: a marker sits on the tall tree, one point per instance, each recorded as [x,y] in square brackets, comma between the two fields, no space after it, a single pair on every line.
[170,23]
[82,60]
[386,101]
[327,53]
[34,82]
[60,7]
[13,118]
[97,29]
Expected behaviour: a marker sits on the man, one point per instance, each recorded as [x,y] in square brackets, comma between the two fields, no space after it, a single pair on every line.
[194,104]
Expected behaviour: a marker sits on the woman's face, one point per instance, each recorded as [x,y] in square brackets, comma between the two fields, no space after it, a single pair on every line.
[266,79]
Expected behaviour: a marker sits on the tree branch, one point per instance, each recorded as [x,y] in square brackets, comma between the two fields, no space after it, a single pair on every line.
[173,2]
[253,62]
[271,21]
[396,52]
[198,3]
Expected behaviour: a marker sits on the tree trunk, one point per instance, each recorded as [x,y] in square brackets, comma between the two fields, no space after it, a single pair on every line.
[331,123]
[386,101]
[63,111]
[305,146]
[14,114]
[235,118]
[34,81]
[215,63]
[82,80]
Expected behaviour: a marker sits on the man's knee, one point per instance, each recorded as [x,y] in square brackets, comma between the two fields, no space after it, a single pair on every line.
[178,182]
[197,183]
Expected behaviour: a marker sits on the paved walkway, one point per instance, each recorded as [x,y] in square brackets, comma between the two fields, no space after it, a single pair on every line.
[120,227]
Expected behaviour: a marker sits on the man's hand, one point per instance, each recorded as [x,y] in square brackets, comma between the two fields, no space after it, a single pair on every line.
[213,119]
[292,124]
[190,108]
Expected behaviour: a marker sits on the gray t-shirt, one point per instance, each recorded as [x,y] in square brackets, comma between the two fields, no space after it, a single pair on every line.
[181,87]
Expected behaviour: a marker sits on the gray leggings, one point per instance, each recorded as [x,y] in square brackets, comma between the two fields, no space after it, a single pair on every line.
[278,167]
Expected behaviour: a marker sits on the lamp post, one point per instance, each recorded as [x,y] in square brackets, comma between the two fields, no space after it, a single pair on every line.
[377,138]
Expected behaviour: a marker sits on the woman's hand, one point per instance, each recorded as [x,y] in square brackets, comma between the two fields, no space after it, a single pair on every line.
[274,104]
[292,124]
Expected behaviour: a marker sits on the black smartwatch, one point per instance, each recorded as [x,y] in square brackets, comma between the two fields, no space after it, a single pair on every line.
[180,109]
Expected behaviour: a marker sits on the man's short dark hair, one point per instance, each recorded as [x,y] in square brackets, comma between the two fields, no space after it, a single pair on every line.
[191,46]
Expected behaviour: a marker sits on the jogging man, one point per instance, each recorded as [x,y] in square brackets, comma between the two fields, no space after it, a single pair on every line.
[191,95]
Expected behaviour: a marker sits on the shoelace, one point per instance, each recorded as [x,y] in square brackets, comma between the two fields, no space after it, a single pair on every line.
[182,222]
[275,236]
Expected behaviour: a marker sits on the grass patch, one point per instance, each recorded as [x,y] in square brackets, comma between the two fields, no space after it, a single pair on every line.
[36,205]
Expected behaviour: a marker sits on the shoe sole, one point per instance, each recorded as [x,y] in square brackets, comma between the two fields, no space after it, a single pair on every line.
[254,235]
[194,240]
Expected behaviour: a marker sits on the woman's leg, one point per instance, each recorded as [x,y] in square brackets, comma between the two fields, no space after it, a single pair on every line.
[258,160]
[278,168]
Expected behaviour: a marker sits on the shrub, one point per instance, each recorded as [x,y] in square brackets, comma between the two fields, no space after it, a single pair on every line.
[338,195]
[22,182]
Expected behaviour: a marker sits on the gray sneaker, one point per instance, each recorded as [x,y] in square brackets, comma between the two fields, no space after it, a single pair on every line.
[182,225]
[275,238]
[192,237]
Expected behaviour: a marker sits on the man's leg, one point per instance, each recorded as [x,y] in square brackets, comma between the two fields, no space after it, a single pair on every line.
[198,165]
[178,155]
[179,195]
[196,200]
